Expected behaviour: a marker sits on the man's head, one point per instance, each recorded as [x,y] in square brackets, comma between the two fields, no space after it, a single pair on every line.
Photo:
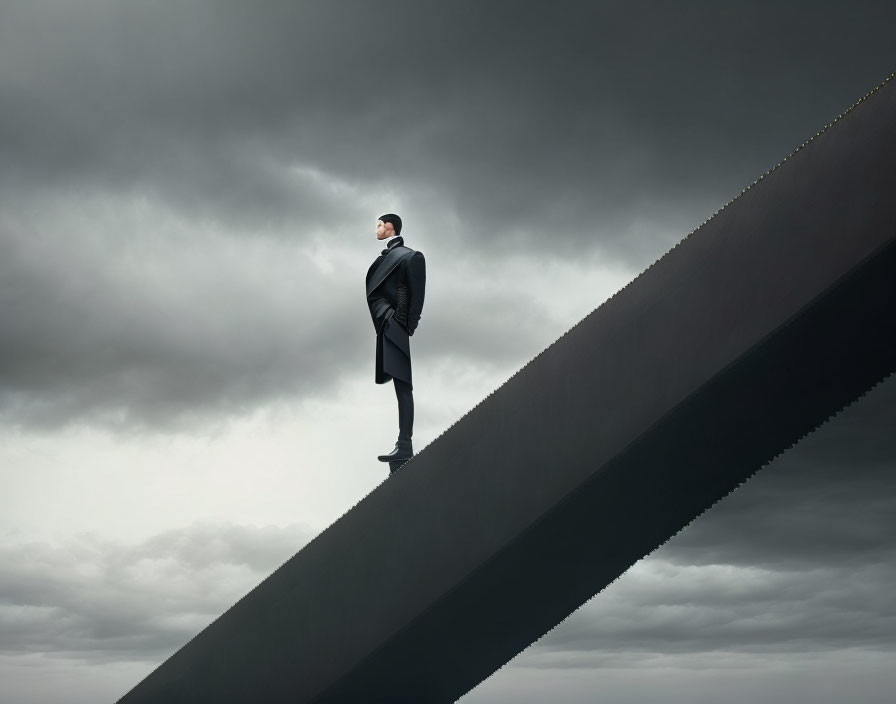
[387,226]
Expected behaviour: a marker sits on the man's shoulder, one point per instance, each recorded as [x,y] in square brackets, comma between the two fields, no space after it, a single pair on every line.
[408,254]
[410,251]
[413,261]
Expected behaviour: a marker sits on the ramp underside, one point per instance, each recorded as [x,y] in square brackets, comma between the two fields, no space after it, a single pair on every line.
[761,324]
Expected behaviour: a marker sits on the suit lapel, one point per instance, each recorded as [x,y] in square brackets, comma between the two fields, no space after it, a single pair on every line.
[389,262]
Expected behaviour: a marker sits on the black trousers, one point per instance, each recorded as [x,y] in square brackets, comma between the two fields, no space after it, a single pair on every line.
[405,395]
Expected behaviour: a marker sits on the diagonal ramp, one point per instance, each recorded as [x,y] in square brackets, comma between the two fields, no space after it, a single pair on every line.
[751,332]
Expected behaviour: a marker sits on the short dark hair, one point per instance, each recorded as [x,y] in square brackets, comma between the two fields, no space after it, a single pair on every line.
[394,219]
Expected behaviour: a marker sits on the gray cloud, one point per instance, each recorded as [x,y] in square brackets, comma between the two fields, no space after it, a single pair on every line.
[152,333]
[524,120]
[661,608]
[799,559]
[174,181]
[161,332]
[828,501]
[588,132]
[97,600]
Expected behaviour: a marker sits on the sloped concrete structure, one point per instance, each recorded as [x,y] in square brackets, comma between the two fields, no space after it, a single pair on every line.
[751,332]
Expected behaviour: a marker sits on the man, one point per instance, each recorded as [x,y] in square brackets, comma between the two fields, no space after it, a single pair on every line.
[396,283]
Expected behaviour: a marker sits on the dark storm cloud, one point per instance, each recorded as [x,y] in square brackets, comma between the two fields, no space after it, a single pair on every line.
[569,118]
[97,600]
[569,131]
[800,558]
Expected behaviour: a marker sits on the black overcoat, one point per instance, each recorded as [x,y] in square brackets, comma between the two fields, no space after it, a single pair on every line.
[395,284]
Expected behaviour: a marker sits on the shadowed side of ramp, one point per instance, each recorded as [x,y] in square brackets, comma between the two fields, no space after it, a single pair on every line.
[751,332]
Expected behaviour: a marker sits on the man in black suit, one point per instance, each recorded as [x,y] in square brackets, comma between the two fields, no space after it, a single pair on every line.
[396,284]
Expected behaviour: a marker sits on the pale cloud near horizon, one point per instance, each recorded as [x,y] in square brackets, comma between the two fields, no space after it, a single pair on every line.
[793,564]
[86,598]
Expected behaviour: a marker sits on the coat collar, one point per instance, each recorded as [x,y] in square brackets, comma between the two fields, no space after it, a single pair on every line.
[394,242]
[391,258]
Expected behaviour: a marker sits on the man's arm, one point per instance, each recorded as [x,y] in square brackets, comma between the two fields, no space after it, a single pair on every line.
[416,289]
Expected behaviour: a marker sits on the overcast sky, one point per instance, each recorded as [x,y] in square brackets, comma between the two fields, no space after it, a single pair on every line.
[188,198]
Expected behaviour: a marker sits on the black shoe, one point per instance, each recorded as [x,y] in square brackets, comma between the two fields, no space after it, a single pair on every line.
[399,453]
[395,465]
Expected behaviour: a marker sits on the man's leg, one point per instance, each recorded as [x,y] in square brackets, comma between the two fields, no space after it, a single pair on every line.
[405,395]
[403,450]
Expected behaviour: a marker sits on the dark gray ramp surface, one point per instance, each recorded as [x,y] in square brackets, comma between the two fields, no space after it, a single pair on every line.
[751,332]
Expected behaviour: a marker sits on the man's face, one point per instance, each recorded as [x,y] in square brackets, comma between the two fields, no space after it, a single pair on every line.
[384,230]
